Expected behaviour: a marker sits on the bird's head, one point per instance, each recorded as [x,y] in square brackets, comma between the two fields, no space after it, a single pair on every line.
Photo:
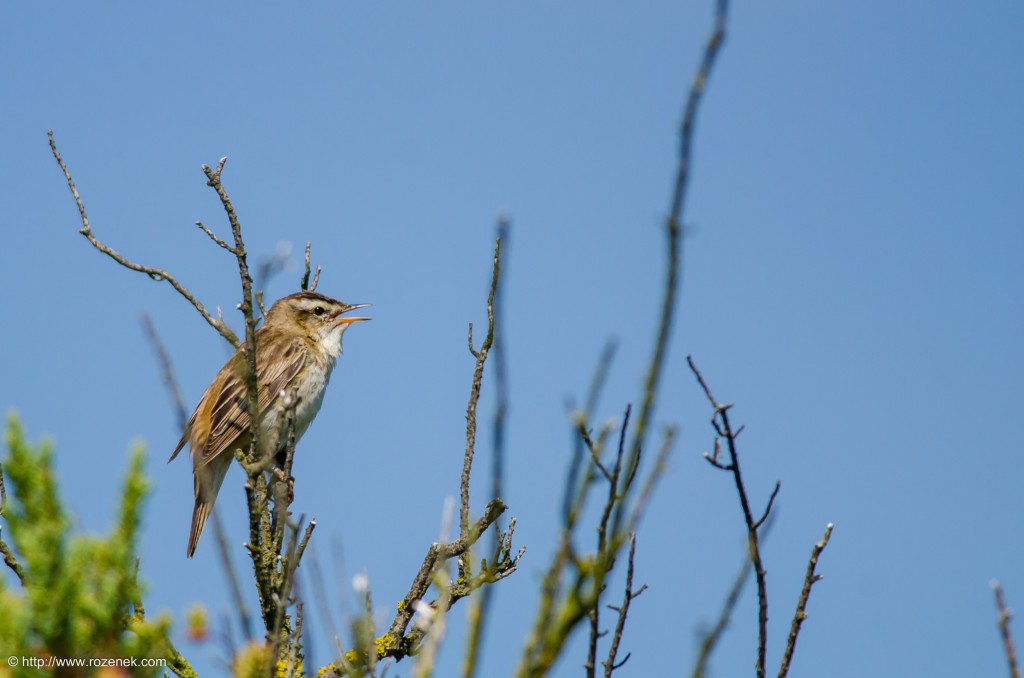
[314,315]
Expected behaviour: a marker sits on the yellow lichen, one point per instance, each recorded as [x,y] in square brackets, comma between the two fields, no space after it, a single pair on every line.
[382,644]
[281,670]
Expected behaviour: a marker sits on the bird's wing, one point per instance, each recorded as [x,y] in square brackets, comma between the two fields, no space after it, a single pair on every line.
[184,437]
[229,413]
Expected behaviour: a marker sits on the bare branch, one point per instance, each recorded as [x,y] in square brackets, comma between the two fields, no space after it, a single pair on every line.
[396,643]
[305,541]
[214,238]
[154,273]
[723,427]
[1004,629]
[717,464]
[229,571]
[304,283]
[604,554]
[673,229]
[166,371]
[544,644]
[246,307]
[810,579]
[481,605]
[5,550]
[711,638]
[594,454]
[474,396]
[593,395]
[628,597]
[771,500]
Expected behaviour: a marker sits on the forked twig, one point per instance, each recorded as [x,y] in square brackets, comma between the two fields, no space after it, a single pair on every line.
[474,396]
[629,595]
[481,605]
[723,428]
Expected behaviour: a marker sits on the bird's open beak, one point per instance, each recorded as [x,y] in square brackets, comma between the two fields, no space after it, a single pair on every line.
[345,321]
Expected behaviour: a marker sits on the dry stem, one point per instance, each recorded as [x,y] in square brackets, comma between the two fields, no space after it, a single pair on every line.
[1004,630]
[810,579]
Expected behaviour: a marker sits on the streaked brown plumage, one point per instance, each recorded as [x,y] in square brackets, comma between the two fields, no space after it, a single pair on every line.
[296,349]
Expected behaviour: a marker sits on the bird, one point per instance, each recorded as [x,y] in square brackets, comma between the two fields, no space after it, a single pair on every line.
[296,349]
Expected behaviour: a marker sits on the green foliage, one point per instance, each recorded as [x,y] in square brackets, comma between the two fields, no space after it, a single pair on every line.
[80,597]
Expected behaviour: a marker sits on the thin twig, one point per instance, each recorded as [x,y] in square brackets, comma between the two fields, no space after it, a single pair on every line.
[283,594]
[771,501]
[668,440]
[673,230]
[154,273]
[603,553]
[305,541]
[810,579]
[1004,629]
[214,238]
[593,395]
[319,594]
[246,307]
[594,451]
[399,644]
[228,566]
[163,359]
[500,378]
[711,638]
[481,605]
[610,664]
[304,283]
[723,427]
[474,396]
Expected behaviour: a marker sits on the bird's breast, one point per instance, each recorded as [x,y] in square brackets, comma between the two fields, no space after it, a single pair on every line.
[310,392]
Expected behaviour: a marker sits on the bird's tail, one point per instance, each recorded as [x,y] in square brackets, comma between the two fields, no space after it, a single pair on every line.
[208,480]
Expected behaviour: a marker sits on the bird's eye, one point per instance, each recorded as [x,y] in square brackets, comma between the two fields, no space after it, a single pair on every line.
[319,310]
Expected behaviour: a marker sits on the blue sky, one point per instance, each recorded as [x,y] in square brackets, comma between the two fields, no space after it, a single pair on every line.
[852,282]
